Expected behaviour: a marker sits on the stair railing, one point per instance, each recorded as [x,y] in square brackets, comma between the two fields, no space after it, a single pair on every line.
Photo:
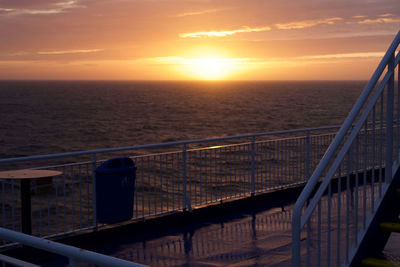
[333,212]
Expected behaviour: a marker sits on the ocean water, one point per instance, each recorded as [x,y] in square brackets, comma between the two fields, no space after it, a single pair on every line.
[42,117]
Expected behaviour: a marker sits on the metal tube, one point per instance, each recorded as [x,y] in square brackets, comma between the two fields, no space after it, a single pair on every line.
[389,121]
[184,196]
[253,166]
[94,197]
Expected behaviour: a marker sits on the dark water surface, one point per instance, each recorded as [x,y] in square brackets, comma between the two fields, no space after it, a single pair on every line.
[41,117]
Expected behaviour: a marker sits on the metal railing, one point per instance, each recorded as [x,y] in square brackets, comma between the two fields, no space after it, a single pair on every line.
[73,254]
[370,136]
[180,176]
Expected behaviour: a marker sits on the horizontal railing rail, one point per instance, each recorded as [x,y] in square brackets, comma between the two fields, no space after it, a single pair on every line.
[167,144]
[182,177]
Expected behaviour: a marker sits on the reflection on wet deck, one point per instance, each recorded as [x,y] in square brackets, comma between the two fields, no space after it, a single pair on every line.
[262,238]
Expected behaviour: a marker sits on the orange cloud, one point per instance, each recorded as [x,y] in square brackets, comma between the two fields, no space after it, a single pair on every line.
[223,33]
[307,23]
[380,20]
[59,7]
[194,13]
[386,15]
[62,52]
[359,17]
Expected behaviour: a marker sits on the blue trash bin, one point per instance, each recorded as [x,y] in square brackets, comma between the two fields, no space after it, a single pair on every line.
[115,187]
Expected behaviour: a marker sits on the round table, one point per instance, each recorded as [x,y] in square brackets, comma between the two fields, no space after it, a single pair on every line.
[25,176]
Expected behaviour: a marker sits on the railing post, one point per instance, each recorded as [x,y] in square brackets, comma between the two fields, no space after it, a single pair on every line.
[389,122]
[253,166]
[94,197]
[308,155]
[185,203]
[296,228]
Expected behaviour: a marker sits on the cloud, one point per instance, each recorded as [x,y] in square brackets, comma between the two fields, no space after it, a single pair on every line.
[56,8]
[359,17]
[63,52]
[344,55]
[386,15]
[185,61]
[380,20]
[307,23]
[194,13]
[224,33]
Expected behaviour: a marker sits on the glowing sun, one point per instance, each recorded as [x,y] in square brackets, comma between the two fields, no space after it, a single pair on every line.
[209,68]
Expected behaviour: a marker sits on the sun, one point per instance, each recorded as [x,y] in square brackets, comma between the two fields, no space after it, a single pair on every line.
[209,68]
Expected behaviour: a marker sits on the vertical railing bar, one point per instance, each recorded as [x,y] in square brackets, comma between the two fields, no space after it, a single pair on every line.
[40,209]
[56,202]
[87,194]
[149,186]
[356,190]
[161,185]
[328,256]
[389,122]
[13,204]
[253,139]
[135,190]
[237,161]
[276,169]
[365,177]
[398,116]
[154,172]
[229,160]
[3,202]
[167,180]
[197,185]
[200,178]
[339,213]
[381,146]
[174,179]
[48,211]
[94,196]
[222,172]
[373,159]
[279,167]
[286,163]
[215,177]
[319,236]
[80,196]
[208,179]
[308,241]
[267,167]
[72,197]
[184,200]
[65,199]
[348,195]
[142,183]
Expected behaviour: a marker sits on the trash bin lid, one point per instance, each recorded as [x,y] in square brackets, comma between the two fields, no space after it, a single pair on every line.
[116,165]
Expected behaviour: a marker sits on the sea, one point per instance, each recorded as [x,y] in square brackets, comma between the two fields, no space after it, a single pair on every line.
[46,117]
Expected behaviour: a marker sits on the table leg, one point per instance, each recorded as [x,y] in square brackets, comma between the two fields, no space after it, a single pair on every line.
[26,219]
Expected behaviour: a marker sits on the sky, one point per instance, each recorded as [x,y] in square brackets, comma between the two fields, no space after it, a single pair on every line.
[194,39]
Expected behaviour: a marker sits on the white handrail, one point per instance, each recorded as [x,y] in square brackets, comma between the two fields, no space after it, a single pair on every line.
[73,253]
[138,147]
[332,149]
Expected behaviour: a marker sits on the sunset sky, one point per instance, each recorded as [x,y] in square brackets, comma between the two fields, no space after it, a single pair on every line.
[195,39]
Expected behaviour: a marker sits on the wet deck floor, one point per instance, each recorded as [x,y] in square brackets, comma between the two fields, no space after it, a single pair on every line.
[257,238]
[254,235]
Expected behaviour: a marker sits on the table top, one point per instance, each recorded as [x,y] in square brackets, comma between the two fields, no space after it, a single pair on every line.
[28,174]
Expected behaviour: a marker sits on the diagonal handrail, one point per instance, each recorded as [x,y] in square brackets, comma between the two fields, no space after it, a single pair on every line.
[72,253]
[298,220]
